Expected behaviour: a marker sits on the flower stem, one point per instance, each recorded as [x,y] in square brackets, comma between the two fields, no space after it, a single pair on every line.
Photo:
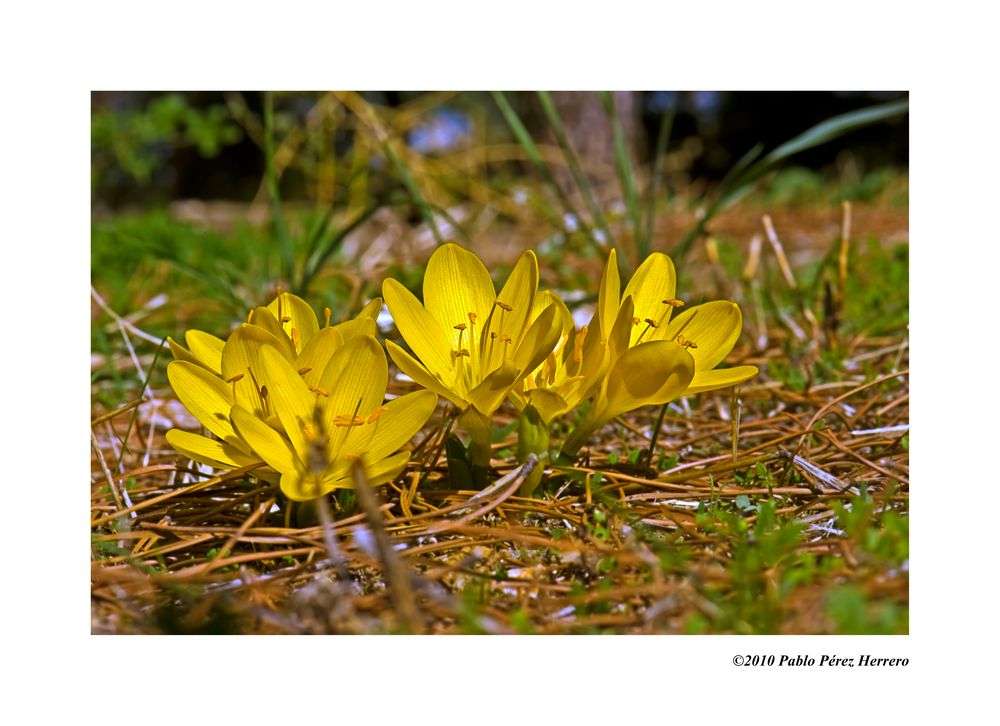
[480,430]
[532,438]
[655,436]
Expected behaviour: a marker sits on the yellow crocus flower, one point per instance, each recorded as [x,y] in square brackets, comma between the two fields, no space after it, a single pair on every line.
[214,375]
[570,373]
[471,345]
[329,426]
[652,355]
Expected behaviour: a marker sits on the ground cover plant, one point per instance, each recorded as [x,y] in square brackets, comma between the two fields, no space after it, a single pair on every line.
[692,417]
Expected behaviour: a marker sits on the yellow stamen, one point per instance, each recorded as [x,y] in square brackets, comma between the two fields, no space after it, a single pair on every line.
[261,390]
[687,322]
[303,371]
[504,306]
[472,318]
[296,338]
[237,377]
[327,313]
[285,318]
[649,324]
[375,414]
[320,391]
[460,326]
[673,302]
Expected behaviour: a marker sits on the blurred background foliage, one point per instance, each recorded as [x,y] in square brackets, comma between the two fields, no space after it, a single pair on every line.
[218,198]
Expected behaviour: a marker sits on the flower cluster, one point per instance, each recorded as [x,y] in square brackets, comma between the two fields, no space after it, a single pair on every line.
[302,402]
[299,401]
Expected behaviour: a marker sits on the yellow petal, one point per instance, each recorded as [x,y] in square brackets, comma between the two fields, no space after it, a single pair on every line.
[213,452]
[355,380]
[377,472]
[720,378]
[549,404]
[654,282]
[262,317]
[544,299]
[714,327]
[421,331]
[402,419]
[289,397]
[647,374]
[609,295]
[241,357]
[578,388]
[303,488]
[205,395]
[300,316]
[539,341]
[267,443]
[618,339]
[489,394]
[595,357]
[371,309]
[456,283]
[412,368]
[316,355]
[181,353]
[206,348]
[356,328]
[518,293]
[383,471]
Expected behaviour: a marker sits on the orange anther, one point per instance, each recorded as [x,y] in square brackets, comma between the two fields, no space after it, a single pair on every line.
[375,414]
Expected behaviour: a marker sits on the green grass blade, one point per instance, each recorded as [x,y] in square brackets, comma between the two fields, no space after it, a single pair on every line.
[320,230]
[624,166]
[534,156]
[662,141]
[573,162]
[413,189]
[741,184]
[836,127]
[332,244]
